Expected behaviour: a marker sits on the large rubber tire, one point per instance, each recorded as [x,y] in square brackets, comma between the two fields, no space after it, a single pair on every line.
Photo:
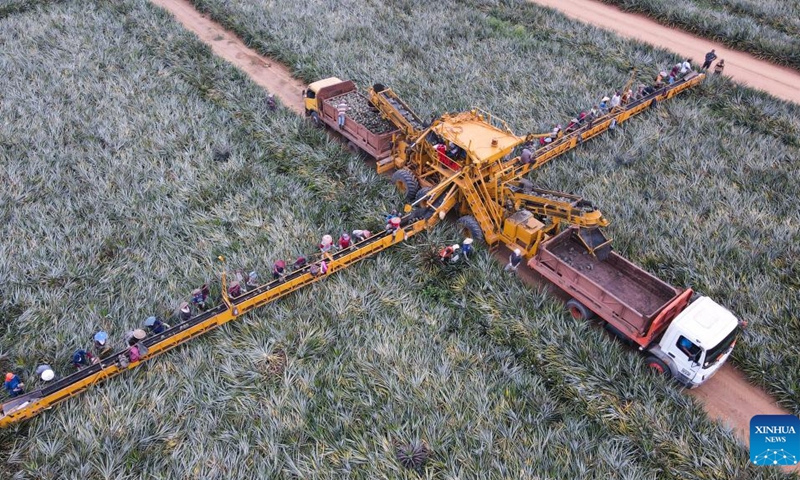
[471,228]
[659,367]
[406,184]
[578,310]
[421,193]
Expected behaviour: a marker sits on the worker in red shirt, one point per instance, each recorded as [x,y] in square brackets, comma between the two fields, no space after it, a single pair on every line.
[344,241]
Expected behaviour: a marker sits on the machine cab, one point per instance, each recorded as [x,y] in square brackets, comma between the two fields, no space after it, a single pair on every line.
[699,341]
[310,93]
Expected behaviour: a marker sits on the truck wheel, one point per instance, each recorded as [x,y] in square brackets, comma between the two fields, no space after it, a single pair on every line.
[659,367]
[316,120]
[578,310]
[614,331]
[406,184]
[471,228]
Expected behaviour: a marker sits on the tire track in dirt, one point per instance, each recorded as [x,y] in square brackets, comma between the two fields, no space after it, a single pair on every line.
[744,68]
[728,397]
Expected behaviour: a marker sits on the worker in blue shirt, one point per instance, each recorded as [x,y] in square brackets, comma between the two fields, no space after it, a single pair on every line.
[13,385]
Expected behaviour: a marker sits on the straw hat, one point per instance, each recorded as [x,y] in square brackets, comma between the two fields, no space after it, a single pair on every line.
[48,375]
[139,334]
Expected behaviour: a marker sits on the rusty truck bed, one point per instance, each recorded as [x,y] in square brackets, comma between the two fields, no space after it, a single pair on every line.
[363,125]
[615,289]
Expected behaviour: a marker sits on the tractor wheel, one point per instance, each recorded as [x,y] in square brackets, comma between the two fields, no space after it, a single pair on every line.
[659,367]
[406,184]
[578,310]
[316,120]
[471,228]
[421,193]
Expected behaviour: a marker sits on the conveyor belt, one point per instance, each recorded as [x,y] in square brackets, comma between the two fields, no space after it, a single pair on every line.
[30,404]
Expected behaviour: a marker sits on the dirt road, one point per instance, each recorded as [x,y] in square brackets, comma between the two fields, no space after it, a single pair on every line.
[273,76]
[744,68]
[728,396]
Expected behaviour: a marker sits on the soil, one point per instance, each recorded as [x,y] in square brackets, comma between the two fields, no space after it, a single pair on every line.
[266,72]
[781,82]
[728,396]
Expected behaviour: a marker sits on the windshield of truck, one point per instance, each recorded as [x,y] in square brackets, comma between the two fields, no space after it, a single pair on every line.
[713,354]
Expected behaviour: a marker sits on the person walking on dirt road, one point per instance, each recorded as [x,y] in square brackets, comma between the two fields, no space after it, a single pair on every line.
[710,57]
[719,67]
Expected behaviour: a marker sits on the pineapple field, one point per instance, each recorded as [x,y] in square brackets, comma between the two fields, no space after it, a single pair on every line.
[133,158]
[767,29]
[700,192]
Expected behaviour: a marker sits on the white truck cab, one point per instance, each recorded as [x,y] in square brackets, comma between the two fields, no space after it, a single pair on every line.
[698,341]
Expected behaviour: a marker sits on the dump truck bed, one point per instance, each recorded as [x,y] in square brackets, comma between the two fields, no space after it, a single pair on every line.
[364,126]
[618,291]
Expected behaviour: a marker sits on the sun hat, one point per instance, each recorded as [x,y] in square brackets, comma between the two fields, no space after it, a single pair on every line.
[101,337]
[150,321]
[48,375]
[468,241]
[139,334]
[9,376]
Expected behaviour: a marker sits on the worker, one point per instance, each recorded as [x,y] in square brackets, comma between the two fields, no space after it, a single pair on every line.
[81,358]
[594,112]
[45,372]
[102,348]
[513,261]
[572,125]
[314,269]
[361,235]
[134,336]
[686,66]
[616,99]
[185,310]
[660,79]
[299,263]
[271,102]
[234,289]
[156,326]
[441,154]
[527,156]
[456,253]
[627,96]
[710,57]
[719,67]
[604,105]
[344,241]
[13,385]
[326,244]
[393,225]
[466,247]
[675,70]
[639,92]
[341,109]
[323,267]
[446,253]
[556,131]
[278,269]
[198,299]
[252,281]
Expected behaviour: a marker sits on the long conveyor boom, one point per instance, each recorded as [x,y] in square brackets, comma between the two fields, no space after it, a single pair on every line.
[30,404]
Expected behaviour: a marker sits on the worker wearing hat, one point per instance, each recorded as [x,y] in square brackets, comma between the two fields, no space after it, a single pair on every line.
[456,253]
[46,373]
[466,247]
[156,326]
[252,280]
[326,244]
[344,241]
[102,348]
[134,336]
[394,224]
[513,261]
[13,385]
